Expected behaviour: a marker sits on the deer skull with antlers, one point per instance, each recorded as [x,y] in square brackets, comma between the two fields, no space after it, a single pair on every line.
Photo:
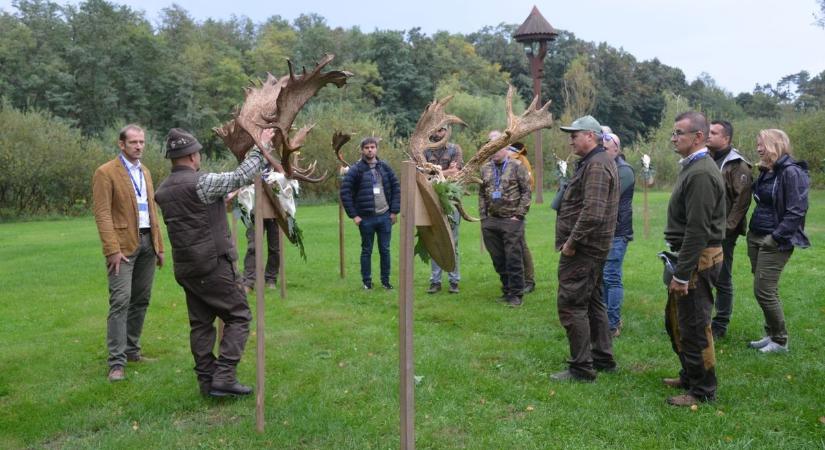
[433,118]
[274,104]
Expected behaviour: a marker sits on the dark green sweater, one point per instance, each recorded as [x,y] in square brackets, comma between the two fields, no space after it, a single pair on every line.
[696,213]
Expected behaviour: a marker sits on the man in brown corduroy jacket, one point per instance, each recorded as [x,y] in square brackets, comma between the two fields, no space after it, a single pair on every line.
[124,208]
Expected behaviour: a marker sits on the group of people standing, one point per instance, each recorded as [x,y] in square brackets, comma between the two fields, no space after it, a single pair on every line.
[706,215]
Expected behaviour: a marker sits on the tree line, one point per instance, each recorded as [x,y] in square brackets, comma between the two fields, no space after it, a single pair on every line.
[97,65]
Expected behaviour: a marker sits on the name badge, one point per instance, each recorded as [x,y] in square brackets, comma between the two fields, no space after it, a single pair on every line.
[496,195]
[376,190]
[143,207]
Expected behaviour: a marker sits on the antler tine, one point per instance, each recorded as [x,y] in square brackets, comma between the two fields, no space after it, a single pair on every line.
[517,127]
[309,179]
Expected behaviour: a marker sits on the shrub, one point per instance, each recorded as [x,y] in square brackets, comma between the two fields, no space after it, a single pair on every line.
[46,166]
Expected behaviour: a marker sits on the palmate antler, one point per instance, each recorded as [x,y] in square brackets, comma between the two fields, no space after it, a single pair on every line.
[431,120]
[517,127]
[275,103]
[339,139]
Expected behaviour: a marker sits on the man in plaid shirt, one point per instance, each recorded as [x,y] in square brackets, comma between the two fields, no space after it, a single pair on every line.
[585,225]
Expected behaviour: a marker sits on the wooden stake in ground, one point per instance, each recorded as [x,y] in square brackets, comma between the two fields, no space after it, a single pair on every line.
[260,305]
[341,237]
[405,305]
[645,211]
[281,268]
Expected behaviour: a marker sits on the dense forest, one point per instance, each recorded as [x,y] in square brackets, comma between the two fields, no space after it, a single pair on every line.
[83,71]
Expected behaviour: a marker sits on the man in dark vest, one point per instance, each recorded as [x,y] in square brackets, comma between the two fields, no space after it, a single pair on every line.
[694,232]
[203,257]
[736,171]
[613,285]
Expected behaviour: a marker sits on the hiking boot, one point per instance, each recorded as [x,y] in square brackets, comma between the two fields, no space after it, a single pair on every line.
[117,373]
[773,347]
[567,375]
[683,400]
[388,286]
[454,288]
[606,367]
[235,389]
[616,332]
[529,287]
[760,343]
[367,285]
[718,333]
[271,285]
[514,302]
[434,287]
[673,382]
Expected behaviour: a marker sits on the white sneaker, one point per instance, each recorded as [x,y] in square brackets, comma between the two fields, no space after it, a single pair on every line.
[760,343]
[773,347]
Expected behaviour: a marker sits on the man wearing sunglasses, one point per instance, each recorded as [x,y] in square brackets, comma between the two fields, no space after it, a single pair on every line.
[694,231]
[585,225]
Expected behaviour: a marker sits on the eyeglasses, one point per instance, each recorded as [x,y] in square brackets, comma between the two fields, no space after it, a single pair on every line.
[682,133]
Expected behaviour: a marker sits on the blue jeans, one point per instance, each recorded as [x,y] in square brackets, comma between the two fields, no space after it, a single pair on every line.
[370,226]
[454,276]
[613,287]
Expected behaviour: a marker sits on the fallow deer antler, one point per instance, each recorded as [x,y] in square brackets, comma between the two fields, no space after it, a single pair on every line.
[517,127]
[275,103]
[339,139]
[430,121]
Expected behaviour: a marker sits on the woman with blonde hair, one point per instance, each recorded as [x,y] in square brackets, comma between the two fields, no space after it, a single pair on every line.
[776,227]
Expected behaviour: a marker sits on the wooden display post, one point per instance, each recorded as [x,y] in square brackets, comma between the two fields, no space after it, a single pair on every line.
[281,268]
[341,238]
[259,306]
[410,215]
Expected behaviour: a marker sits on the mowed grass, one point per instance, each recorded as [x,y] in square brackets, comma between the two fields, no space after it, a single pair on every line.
[332,355]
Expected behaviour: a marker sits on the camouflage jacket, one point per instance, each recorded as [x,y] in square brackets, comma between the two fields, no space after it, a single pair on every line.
[445,155]
[514,186]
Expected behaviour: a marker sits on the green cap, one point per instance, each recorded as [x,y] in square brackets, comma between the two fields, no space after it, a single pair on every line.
[586,123]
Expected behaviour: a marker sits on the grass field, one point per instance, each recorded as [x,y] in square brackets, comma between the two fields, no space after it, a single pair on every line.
[332,355]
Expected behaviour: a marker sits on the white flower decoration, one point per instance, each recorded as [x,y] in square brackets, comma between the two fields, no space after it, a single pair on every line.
[646,161]
[562,165]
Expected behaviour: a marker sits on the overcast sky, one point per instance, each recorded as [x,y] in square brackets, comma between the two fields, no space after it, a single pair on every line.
[739,43]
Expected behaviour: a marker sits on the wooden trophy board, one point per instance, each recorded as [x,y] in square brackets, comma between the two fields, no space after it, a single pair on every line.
[436,237]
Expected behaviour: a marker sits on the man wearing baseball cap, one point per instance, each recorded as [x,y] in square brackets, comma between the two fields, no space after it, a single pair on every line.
[203,258]
[585,224]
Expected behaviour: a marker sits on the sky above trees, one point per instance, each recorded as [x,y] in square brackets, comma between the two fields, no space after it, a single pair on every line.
[739,44]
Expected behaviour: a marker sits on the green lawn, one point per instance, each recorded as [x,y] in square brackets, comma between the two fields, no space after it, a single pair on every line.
[332,355]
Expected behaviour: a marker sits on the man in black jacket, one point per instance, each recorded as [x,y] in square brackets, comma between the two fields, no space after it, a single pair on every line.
[371,196]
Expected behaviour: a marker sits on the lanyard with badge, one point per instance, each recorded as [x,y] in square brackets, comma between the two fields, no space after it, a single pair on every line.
[497,173]
[142,206]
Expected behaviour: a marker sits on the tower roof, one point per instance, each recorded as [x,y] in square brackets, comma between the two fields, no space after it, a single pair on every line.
[535,28]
